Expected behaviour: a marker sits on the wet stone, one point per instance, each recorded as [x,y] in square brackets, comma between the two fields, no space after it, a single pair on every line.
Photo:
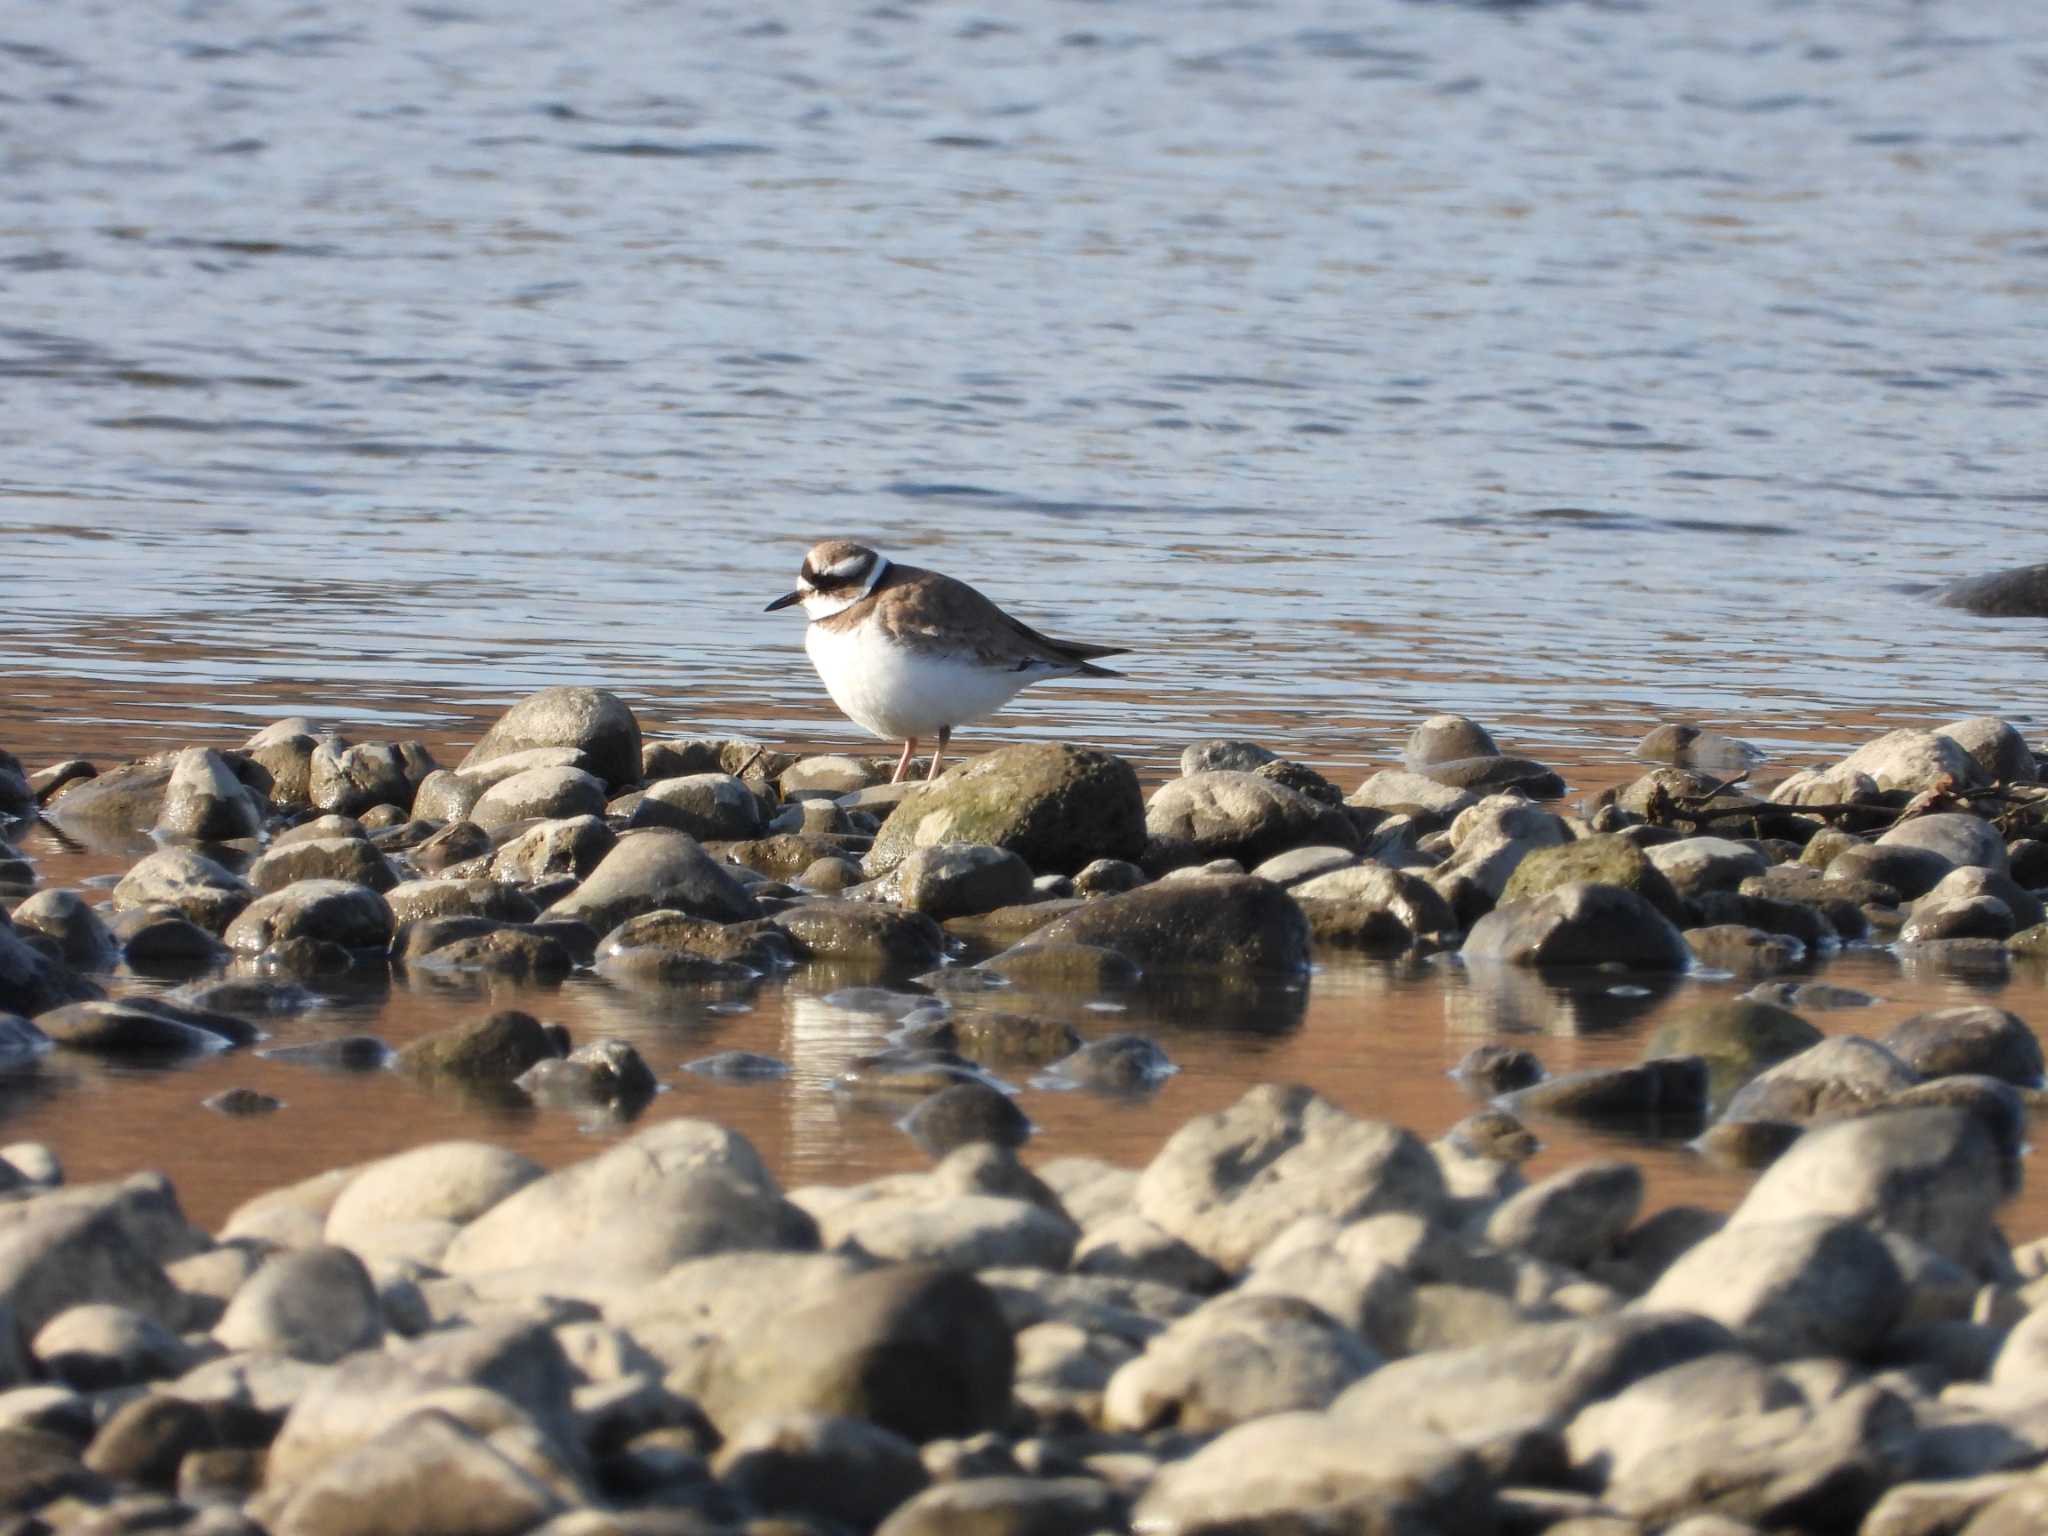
[1935,919]
[240,1102]
[348,859]
[1814,996]
[1667,1085]
[350,780]
[422,936]
[1579,924]
[547,794]
[709,806]
[139,1027]
[1834,1077]
[326,911]
[848,930]
[575,846]
[446,796]
[1365,888]
[517,954]
[1235,923]
[1301,777]
[964,1114]
[196,887]
[1490,775]
[1107,877]
[18,797]
[126,798]
[205,802]
[156,939]
[63,917]
[1972,1039]
[652,871]
[604,1072]
[1241,816]
[760,946]
[1743,951]
[1494,1133]
[1967,883]
[1909,871]
[1698,751]
[1447,738]
[419,899]
[457,842]
[496,1049]
[1500,1068]
[1121,1064]
[961,879]
[48,782]
[1013,1037]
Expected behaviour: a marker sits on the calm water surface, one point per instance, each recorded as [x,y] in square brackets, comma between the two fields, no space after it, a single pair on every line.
[1573,366]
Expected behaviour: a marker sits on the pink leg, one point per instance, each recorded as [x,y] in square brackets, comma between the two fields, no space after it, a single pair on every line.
[945,735]
[903,762]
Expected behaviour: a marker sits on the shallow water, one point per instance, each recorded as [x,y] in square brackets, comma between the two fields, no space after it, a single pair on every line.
[1571,366]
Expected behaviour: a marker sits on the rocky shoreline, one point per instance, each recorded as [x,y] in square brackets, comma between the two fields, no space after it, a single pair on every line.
[1292,1319]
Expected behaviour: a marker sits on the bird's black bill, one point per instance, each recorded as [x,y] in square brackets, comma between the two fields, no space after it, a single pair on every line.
[784,601]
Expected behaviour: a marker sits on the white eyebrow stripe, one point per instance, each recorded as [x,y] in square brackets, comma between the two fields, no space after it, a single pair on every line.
[845,567]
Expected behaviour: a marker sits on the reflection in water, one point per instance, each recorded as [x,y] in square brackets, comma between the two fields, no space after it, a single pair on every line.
[1497,999]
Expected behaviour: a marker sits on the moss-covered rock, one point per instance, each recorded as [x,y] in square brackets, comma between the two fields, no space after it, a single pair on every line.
[1056,807]
[1607,859]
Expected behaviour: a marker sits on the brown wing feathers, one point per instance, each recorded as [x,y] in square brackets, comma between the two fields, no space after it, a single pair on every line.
[922,605]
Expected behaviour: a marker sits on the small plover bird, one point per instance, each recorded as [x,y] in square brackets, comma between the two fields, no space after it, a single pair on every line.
[909,654]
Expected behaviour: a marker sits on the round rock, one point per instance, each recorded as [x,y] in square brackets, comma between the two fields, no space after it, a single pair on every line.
[315,1304]
[594,722]
[324,911]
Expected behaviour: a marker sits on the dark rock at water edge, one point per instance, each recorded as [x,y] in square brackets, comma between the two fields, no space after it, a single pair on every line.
[31,982]
[492,1050]
[1579,924]
[964,1114]
[2020,592]
[1233,923]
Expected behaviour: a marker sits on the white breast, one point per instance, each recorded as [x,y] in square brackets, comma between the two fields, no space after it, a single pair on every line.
[897,693]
